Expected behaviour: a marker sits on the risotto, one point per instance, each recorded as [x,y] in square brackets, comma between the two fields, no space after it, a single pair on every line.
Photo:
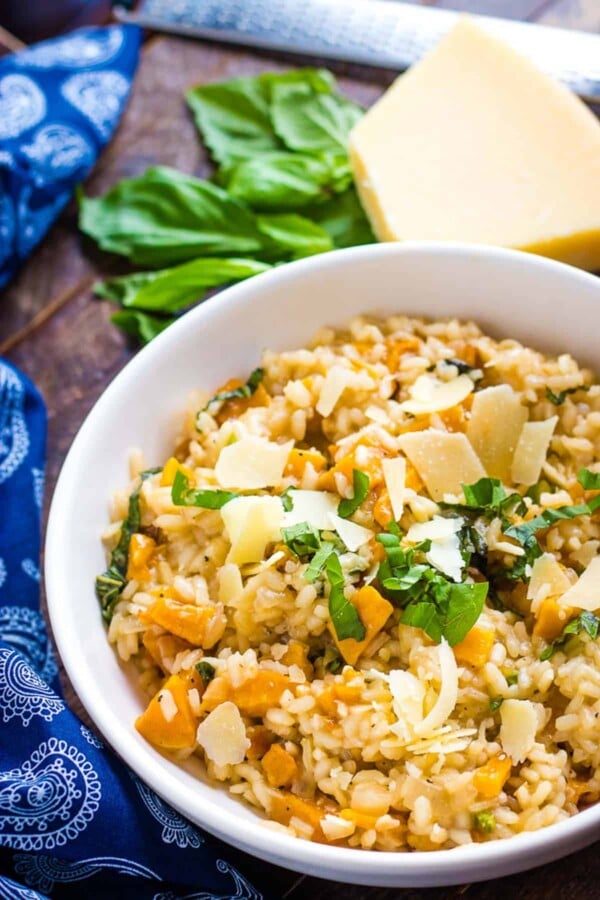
[363,589]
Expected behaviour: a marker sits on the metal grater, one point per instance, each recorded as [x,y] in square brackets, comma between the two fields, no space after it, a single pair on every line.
[373,32]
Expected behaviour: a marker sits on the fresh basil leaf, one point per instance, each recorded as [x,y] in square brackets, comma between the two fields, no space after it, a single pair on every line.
[303,539]
[111,582]
[290,235]
[140,325]
[318,562]
[465,603]
[310,121]
[496,703]
[585,622]
[425,615]
[287,500]
[234,118]
[183,495]
[525,532]
[589,480]
[284,181]
[344,616]
[165,217]
[360,489]
[484,821]
[344,219]
[512,678]
[332,661]
[245,390]
[171,290]
[485,493]
[559,399]
[206,671]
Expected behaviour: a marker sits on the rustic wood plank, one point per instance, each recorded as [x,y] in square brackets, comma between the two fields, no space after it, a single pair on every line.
[581,14]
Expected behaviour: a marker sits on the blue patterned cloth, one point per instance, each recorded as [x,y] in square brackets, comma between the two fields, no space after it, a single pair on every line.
[60,102]
[74,821]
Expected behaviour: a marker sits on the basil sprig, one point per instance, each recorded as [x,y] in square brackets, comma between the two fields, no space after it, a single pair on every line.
[244,390]
[208,498]
[559,399]
[111,582]
[584,623]
[303,539]
[360,482]
[344,616]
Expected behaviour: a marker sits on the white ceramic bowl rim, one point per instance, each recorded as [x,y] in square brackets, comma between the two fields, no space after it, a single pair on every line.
[472,862]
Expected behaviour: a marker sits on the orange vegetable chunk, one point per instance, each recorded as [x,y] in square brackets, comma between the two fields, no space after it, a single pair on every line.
[374,611]
[183,619]
[551,618]
[280,766]
[255,696]
[490,778]
[475,647]
[141,551]
[161,726]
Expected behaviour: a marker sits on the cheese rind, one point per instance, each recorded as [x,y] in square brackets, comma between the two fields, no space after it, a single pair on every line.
[475,144]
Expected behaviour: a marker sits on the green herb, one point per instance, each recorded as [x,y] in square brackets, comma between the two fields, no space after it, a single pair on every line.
[245,390]
[234,117]
[585,622]
[463,367]
[302,539]
[524,534]
[206,671]
[140,325]
[283,180]
[512,678]
[111,582]
[360,482]
[332,661]
[319,561]
[489,497]
[287,501]
[183,495]
[559,399]
[484,822]
[344,219]
[165,217]
[440,607]
[344,616]
[589,480]
[288,235]
[171,290]
[496,703]
[311,121]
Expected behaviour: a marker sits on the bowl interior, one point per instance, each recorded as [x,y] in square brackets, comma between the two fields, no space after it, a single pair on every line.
[547,305]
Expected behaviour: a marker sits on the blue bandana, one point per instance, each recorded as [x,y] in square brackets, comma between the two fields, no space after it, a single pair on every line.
[60,102]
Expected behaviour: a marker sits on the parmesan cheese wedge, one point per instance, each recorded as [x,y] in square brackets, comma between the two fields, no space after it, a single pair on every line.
[444,553]
[585,593]
[336,381]
[353,535]
[394,474]
[231,584]
[518,729]
[445,461]
[314,507]
[408,695]
[428,394]
[252,463]
[222,735]
[447,696]
[531,451]
[497,418]
[251,523]
[548,579]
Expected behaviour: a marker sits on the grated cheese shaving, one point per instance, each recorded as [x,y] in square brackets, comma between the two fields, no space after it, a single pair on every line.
[532,450]
[251,524]
[394,473]
[448,695]
[585,593]
[518,729]
[222,735]
[497,417]
[252,463]
[428,394]
[336,381]
[445,461]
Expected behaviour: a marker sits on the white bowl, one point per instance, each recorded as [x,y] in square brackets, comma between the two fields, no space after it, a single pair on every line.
[545,304]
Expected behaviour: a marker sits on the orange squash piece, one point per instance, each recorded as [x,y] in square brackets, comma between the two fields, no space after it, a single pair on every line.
[183,619]
[162,647]
[170,469]
[475,648]
[285,806]
[217,691]
[361,820]
[395,350]
[255,696]
[490,778]
[279,766]
[551,618]
[141,551]
[299,459]
[297,655]
[368,460]
[155,724]
[374,611]
[260,740]
[232,409]
[382,510]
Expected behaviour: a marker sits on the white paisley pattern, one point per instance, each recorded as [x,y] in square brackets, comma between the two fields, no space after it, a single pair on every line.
[43,872]
[14,437]
[25,630]
[50,799]
[243,888]
[38,487]
[99,96]
[57,152]
[23,694]
[30,569]
[91,738]
[83,49]
[22,105]
[2,571]
[11,891]
[175,829]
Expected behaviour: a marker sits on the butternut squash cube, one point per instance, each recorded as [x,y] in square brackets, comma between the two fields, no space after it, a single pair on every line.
[374,611]
[168,721]
[280,766]
[475,648]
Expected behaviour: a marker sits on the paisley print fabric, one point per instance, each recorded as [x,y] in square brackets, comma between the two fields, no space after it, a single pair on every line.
[60,102]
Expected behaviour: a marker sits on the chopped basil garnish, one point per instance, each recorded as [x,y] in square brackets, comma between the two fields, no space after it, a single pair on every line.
[286,499]
[111,582]
[319,561]
[589,480]
[512,678]
[585,622]
[484,821]
[183,495]
[488,496]
[206,671]
[244,390]
[303,539]
[332,661]
[440,607]
[559,399]
[360,481]
[496,703]
[344,616]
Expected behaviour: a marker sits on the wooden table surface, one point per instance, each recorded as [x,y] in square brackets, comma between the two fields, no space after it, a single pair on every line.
[53,329]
